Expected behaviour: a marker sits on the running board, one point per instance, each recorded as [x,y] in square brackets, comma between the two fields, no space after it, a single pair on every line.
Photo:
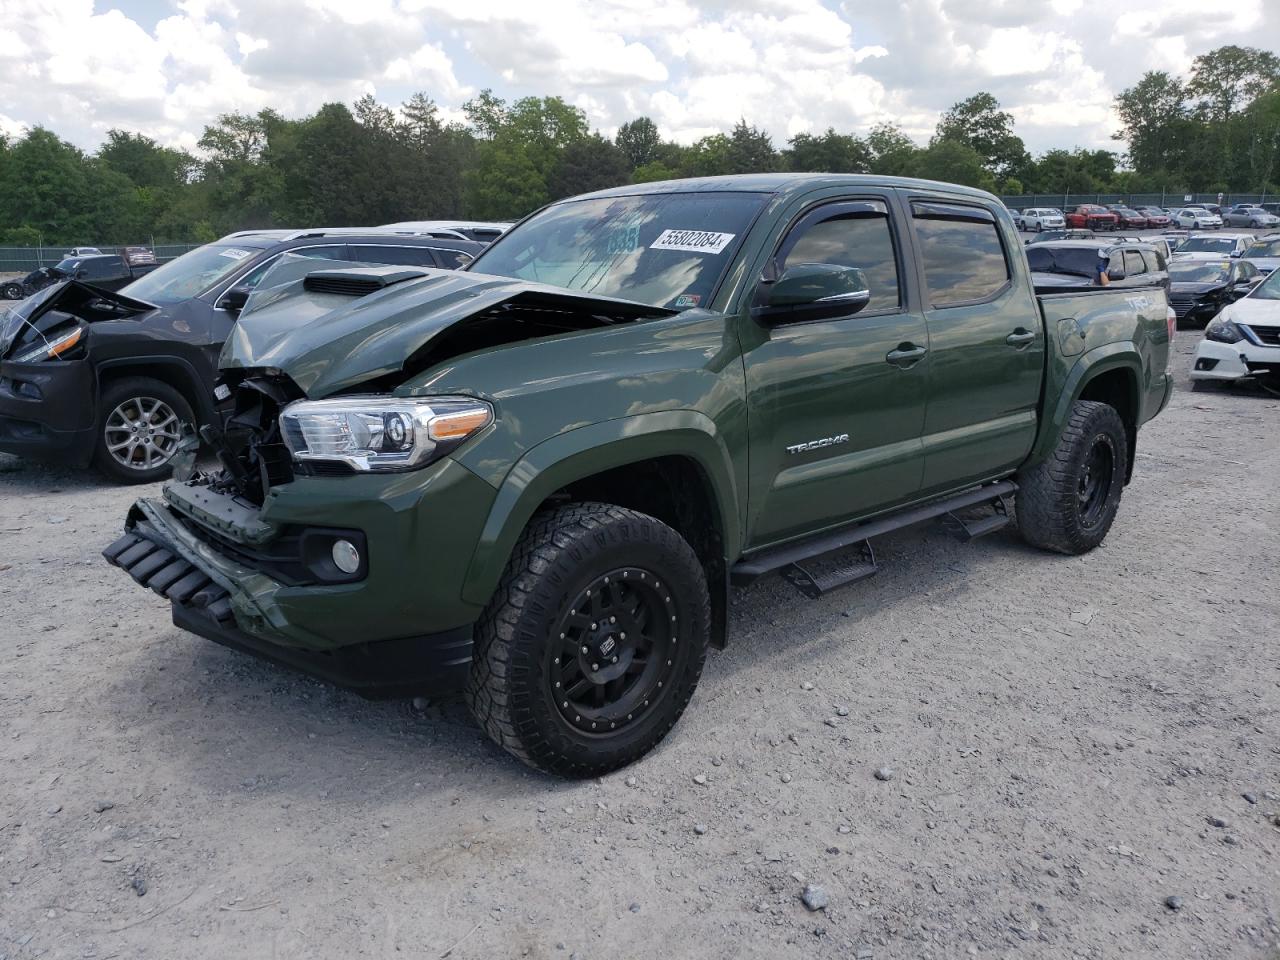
[813,585]
[966,530]
[751,568]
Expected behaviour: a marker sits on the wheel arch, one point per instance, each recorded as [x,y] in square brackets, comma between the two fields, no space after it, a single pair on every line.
[1109,374]
[173,371]
[672,465]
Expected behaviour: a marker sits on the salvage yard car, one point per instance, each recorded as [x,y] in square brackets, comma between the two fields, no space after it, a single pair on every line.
[1200,288]
[1213,246]
[1156,218]
[88,375]
[1264,253]
[1243,341]
[1092,216]
[1040,218]
[1249,215]
[536,479]
[1196,218]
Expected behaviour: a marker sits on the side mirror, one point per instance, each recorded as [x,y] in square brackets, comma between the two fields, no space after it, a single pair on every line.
[233,300]
[1116,273]
[812,291]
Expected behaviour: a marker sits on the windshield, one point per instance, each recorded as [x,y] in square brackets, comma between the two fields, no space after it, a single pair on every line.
[1211,244]
[1264,248]
[1268,289]
[67,266]
[190,274]
[1198,271]
[666,250]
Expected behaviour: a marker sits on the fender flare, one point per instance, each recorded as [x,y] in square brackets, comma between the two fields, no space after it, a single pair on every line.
[586,451]
[202,400]
[1120,355]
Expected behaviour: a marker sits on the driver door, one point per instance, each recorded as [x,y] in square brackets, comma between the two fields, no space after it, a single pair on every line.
[836,407]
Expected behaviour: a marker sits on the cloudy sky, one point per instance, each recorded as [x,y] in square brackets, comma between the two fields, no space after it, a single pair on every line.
[167,67]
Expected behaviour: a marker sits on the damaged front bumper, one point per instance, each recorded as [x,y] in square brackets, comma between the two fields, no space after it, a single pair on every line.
[401,629]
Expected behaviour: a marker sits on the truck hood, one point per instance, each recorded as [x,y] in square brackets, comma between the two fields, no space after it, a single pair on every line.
[335,329]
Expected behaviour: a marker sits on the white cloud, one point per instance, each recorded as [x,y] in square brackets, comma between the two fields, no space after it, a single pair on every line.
[696,66]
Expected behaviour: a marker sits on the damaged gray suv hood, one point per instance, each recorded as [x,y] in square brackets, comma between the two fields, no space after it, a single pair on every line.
[334,329]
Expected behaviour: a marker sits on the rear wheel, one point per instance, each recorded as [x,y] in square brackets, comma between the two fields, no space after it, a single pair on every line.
[11,291]
[1068,501]
[140,424]
[592,646]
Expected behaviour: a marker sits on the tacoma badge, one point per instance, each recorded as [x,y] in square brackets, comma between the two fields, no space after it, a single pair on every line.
[818,444]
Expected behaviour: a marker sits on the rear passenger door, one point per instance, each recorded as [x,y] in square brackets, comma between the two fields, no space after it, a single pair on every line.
[986,344]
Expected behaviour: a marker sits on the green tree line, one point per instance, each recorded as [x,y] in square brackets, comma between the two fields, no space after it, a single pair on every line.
[1217,129]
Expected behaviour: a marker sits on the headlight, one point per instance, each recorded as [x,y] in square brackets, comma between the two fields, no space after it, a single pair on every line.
[48,349]
[1223,331]
[380,434]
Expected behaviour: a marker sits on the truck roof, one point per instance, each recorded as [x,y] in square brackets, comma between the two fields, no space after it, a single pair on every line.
[781,183]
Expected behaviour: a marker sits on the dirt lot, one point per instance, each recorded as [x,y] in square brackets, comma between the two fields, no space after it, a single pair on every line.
[1071,743]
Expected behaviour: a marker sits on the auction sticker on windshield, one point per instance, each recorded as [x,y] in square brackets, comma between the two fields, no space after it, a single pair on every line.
[692,241]
[235,253]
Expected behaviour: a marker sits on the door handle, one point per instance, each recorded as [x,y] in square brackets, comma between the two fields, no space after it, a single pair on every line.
[907,355]
[1019,338]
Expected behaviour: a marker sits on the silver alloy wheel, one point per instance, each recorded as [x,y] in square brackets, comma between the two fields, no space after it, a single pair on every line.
[142,433]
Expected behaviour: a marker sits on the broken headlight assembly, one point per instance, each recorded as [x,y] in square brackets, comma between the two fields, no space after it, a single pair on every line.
[1223,331]
[380,434]
[59,344]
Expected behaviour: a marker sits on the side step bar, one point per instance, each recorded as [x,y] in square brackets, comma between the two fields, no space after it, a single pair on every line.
[791,555]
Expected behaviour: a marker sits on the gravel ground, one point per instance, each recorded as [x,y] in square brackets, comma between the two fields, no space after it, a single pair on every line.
[1063,744]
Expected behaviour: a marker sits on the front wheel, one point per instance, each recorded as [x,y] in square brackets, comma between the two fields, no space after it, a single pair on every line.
[1068,501]
[11,291]
[140,425]
[594,641]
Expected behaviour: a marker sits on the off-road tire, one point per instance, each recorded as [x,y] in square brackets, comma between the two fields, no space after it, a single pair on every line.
[561,553]
[1049,508]
[113,395]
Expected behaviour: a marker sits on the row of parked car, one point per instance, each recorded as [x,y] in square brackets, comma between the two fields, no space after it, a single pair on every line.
[122,407]
[1118,216]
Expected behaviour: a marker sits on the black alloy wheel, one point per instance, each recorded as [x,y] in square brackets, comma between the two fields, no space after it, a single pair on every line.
[1096,480]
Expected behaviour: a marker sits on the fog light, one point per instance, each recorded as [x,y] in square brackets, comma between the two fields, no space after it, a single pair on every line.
[345,556]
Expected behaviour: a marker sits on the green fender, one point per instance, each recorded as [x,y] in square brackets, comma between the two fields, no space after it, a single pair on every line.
[592,449]
[1068,386]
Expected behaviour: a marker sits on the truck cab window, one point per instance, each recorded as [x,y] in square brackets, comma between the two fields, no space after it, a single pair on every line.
[1133,263]
[863,240]
[964,261]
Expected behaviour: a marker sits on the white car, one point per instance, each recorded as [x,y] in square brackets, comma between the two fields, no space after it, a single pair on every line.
[1041,218]
[1196,218]
[1213,246]
[1243,340]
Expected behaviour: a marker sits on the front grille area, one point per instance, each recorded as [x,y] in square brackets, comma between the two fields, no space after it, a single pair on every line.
[1268,335]
[249,446]
[1181,304]
[281,559]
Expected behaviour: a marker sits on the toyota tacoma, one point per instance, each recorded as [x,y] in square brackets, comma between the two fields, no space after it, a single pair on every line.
[536,480]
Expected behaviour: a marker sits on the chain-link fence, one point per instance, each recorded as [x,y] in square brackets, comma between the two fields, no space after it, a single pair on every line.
[1061,200]
[26,259]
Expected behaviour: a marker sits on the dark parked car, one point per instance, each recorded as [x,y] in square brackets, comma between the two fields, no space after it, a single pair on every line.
[1050,235]
[1130,219]
[1071,263]
[1198,289]
[1156,218]
[76,389]
[106,271]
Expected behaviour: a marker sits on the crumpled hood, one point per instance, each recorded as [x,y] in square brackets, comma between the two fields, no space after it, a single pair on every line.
[1197,288]
[326,342]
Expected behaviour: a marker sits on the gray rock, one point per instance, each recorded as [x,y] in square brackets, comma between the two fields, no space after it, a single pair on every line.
[1249,797]
[700,828]
[814,897]
[53,810]
[102,806]
[806,685]
[632,781]
[863,952]
[842,711]
[1230,839]
[1216,821]
[139,885]
[1173,902]
[830,721]
[634,908]
[884,773]
[700,780]
[786,778]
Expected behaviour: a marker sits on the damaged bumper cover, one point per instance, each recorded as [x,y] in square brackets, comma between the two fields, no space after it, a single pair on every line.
[233,604]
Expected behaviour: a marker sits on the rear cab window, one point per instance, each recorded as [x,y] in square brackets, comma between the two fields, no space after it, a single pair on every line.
[961,252]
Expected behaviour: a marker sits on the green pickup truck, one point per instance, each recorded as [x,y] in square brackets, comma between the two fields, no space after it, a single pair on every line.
[535,480]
